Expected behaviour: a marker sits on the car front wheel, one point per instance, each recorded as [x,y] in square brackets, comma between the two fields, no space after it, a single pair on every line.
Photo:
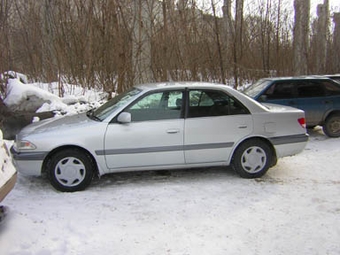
[252,158]
[331,127]
[70,170]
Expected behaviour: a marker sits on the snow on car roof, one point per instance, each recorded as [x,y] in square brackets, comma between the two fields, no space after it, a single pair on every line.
[306,77]
[161,85]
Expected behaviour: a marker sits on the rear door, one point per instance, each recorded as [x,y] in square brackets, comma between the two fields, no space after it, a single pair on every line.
[214,123]
[313,100]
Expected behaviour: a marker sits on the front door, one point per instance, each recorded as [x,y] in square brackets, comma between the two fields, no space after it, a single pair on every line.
[153,138]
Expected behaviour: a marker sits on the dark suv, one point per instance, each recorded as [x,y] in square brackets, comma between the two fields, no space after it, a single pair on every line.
[318,96]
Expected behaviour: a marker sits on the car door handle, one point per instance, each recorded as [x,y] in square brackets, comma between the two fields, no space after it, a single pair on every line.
[172,131]
[242,126]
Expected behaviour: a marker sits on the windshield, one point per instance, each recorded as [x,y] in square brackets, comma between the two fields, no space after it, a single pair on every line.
[256,88]
[106,109]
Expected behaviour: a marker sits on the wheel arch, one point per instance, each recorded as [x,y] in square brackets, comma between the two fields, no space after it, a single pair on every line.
[65,147]
[329,114]
[263,139]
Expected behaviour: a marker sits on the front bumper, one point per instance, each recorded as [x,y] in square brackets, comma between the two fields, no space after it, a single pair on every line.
[28,163]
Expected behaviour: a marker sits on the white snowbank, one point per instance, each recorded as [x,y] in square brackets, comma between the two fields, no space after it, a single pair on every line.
[26,97]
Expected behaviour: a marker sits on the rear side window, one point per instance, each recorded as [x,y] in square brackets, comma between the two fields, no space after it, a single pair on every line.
[310,89]
[208,103]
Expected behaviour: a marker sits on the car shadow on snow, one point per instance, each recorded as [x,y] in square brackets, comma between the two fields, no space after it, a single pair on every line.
[34,184]
[164,176]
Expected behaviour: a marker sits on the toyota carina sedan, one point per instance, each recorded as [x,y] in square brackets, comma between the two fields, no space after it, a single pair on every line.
[161,126]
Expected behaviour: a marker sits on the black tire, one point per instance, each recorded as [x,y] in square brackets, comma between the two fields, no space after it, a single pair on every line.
[70,170]
[331,127]
[252,158]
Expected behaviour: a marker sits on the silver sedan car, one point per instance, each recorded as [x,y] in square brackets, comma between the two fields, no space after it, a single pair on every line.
[161,126]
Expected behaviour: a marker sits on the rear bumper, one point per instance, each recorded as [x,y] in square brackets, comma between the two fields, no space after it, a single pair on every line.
[289,147]
[8,186]
[291,139]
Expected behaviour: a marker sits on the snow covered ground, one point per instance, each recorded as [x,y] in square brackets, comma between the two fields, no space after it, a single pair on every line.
[293,209]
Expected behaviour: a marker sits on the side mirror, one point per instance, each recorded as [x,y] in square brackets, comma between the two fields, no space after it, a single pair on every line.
[263,98]
[124,117]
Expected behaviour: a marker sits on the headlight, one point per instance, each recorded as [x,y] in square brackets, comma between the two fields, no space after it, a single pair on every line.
[24,145]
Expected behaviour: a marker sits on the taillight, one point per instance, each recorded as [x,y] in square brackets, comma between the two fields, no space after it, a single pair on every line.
[302,122]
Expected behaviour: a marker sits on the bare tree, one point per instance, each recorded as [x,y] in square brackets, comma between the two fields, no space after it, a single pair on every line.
[336,43]
[301,33]
[322,35]
[143,31]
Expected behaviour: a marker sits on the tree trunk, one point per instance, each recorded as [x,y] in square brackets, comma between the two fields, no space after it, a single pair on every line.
[301,33]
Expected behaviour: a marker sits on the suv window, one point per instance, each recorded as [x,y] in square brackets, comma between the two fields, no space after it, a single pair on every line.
[157,106]
[205,103]
[310,89]
[280,90]
[331,88]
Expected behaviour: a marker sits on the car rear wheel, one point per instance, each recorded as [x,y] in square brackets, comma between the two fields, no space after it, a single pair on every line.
[252,158]
[331,127]
[70,170]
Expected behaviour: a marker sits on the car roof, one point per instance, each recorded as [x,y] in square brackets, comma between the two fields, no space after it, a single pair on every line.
[307,77]
[332,75]
[181,85]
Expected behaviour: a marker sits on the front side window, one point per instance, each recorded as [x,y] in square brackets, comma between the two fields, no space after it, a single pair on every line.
[106,109]
[280,90]
[157,106]
[207,103]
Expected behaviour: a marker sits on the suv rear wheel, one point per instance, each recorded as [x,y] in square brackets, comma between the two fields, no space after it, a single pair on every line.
[332,126]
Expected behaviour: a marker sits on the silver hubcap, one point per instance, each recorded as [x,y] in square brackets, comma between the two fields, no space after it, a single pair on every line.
[70,171]
[253,159]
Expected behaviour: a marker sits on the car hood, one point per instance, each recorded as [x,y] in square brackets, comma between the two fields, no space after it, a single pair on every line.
[56,123]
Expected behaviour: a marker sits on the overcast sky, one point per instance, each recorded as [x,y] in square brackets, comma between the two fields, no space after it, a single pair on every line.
[334,5]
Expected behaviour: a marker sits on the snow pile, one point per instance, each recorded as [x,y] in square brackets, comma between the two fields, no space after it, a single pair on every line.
[42,97]
[7,169]
[26,97]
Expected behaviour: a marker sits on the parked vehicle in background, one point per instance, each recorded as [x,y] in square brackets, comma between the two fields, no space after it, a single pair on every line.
[161,126]
[318,96]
